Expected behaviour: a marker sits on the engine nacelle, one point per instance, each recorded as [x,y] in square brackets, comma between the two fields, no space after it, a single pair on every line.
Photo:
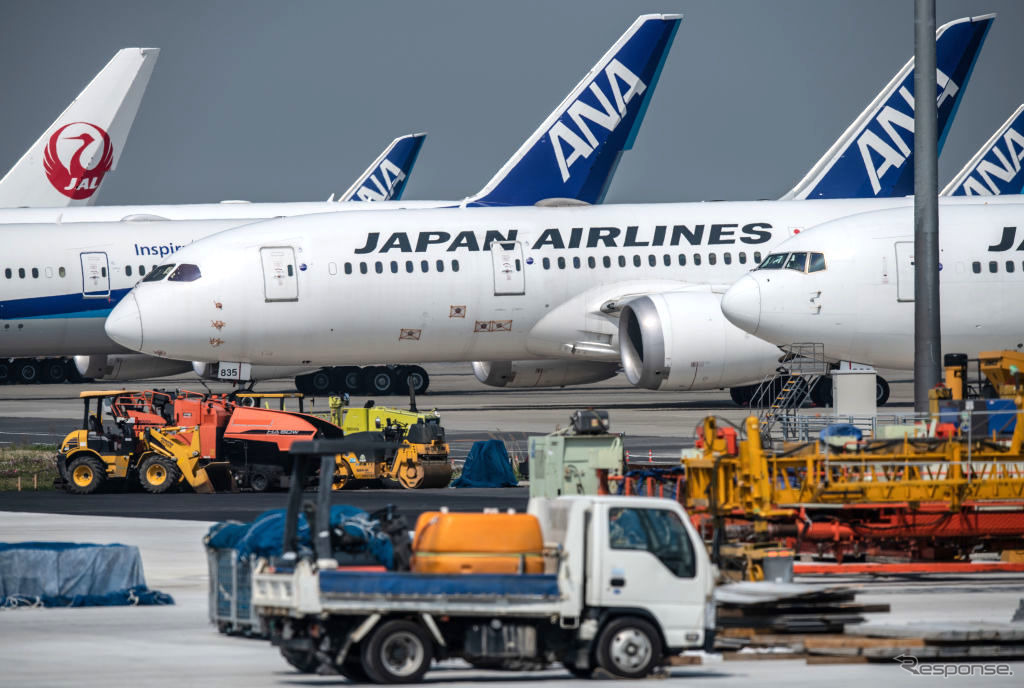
[128,366]
[681,341]
[210,371]
[542,373]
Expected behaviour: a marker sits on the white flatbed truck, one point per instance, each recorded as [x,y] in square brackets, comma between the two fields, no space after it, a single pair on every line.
[633,584]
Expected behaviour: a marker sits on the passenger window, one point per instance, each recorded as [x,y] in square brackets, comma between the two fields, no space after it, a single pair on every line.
[394,267]
[49,271]
[591,263]
[35,273]
[1010,266]
[757,257]
[409,267]
[657,531]
[362,268]
[561,263]
[682,259]
[712,258]
[455,266]
[727,258]
[291,270]
[127,270]
[348,268]
[576,262]
[378,267]
[743,258]
[636,261]
[519,266]
[775,261]
[797,261]
[158,273]
[440,266]
[607,261]
[8,273]
[142,270]
[546,263]
[622,261]
[976,267]
[185,273]
[425,265]
[652,260]
[993,266]
[21,273]
[332,268]
[103,271]
[696,259]
[817,263]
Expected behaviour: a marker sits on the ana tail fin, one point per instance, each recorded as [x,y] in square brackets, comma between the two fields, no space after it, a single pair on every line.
[995,169]
[574,152]
[66,165]
[874,158]
[385,178]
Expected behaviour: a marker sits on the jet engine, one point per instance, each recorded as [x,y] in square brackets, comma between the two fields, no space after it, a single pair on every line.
[681,341]
[542,373]
[128,366]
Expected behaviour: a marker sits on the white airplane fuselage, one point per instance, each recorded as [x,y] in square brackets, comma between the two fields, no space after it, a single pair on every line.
[368,287]
[861,305]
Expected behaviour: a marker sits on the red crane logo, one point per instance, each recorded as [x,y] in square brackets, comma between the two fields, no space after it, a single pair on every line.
[75,180]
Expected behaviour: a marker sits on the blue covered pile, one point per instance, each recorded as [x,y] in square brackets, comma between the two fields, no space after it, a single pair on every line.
[63,574]
[488,465]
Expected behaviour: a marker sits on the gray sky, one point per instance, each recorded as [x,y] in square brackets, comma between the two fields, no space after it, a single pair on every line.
[288,101]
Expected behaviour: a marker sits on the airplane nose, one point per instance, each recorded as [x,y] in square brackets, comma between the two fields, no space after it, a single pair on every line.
[741,304]
[124,324]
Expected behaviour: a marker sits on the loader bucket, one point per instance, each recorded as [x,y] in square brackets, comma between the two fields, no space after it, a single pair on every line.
[214,477]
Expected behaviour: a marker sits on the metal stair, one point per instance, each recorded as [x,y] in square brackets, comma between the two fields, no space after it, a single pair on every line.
[780,396]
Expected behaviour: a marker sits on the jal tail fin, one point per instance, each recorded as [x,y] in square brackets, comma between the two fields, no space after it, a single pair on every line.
[996,168]
[574,152]
[385,178]
[66,165]
[874,158]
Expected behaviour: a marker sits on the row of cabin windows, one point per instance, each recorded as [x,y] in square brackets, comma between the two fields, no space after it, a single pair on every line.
[394,267]
[652,260]
[61,272]
[993,266]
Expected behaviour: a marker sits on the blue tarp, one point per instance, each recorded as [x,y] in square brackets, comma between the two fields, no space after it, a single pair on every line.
[64,574]
[488,465]
[264,536]
[453,585]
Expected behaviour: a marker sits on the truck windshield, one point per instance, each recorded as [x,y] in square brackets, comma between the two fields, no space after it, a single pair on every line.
[657,531]
[773,262]
[158,273]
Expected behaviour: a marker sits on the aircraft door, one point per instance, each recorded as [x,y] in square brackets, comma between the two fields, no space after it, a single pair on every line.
[904,270]
[95,275]
[509,277]
[280,274]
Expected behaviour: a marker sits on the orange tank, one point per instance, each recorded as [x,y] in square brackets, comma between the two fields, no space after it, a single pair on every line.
[477,543]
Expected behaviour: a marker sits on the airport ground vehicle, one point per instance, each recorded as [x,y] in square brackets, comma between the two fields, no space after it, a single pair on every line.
[630,583]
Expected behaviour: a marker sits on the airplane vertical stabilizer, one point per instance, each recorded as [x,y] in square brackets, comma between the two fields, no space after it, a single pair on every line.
[67,164]
[874,158]
[385,178]
[574,152]
[996,168]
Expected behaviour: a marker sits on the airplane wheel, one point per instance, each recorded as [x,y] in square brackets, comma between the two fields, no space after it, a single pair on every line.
[54,371]
[379,381]
[85,474]
[881,391]
[5,372]
[351,379]
[417,377]
[741,396]
[26,371]
[158,474]
[320,382]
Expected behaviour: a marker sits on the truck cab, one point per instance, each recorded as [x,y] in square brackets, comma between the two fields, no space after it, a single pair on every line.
[627,583]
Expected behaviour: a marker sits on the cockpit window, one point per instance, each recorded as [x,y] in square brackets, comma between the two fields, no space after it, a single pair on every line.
[158,273]
[774,261]
[186,272]
[797,261]
[817,263]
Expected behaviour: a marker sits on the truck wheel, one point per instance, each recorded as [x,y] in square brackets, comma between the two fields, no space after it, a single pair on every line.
[303,660]
[260,480]
[352,668]
[379,381]
[628,647]
[158,474]
[397,652]
[85,474]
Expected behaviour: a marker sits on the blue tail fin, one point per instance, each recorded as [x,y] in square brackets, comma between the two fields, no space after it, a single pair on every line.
[385,178]
[996,168]
[574,152]
[874,157]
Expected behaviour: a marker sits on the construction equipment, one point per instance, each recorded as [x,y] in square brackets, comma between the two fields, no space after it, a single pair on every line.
[573,460]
